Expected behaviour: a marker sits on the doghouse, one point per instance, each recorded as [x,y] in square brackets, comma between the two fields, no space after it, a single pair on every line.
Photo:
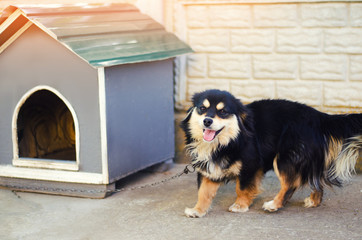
[86,96]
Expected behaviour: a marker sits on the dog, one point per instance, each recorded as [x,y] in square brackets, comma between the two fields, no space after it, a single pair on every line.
[229,141]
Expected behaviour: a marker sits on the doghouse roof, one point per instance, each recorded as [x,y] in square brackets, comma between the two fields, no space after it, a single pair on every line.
[103,35]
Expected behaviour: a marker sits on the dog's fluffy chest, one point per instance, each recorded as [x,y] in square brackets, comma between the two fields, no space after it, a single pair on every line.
[204,163]
[215,172]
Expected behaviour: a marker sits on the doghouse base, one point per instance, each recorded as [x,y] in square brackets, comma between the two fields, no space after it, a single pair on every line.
[57,188]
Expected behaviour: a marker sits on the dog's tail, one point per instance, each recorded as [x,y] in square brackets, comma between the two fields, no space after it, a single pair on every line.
[344,140]
[344,164]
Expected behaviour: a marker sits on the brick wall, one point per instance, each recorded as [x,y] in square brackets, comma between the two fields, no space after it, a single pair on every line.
[307,52]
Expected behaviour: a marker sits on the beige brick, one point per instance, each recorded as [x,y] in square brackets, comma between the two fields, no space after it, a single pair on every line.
[230,65]
[346,40]
[230,15]
[197,16]
[209,40]
[200,84]
[275,66]
[256,40]
[197,65]
[300,41]
[331,67]
[248,91]
[305,52]
[356,68]
[345,94]
[324,15]
[305,92]
[356,14]
[275,15]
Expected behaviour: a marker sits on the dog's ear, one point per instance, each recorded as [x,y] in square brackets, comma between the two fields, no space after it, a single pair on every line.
[195,98]
[242,110]
[189,112]
[184,122]
[243,117]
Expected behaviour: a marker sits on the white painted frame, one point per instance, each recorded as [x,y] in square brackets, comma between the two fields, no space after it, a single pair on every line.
[103,123]
[51,175]
[46,163]
[180,62]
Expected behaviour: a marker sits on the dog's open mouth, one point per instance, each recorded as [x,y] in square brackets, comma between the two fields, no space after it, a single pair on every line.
[210,134]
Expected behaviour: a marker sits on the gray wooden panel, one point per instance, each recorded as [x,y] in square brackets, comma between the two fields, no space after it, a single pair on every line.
[140,116]
[37,59]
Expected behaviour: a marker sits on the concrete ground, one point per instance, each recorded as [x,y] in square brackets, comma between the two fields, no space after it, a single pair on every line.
[157,213]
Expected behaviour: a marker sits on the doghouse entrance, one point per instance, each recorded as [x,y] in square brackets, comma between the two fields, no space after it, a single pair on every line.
[45,128]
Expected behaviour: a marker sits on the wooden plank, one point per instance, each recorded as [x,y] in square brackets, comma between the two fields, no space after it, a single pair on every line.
[51,175]
[46,164]
[10,20]
[57,188]
[9,32]
[103,122]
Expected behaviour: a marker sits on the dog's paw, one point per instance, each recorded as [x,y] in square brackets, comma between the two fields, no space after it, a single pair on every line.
[193,213]
[309,203]
[270,206]
[236,208]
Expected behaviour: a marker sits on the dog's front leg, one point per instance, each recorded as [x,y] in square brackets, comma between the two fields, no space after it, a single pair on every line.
[206,194]
[246,194]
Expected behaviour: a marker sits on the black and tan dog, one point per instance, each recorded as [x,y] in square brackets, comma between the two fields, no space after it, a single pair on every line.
[231,141]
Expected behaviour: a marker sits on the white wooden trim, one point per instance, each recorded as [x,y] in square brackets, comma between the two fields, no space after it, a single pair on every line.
[180,61]
[103,123]
[10,20]
[46,163]
[30,22]
[31,162]
[7,23]
[51,175]
[180,82]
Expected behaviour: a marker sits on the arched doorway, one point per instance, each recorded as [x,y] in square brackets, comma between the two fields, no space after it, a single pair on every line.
[45,127]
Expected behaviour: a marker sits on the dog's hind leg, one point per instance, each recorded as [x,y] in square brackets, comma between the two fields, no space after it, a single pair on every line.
[245,196]
[286,192]
[289,182]
[206,194]
[314,199]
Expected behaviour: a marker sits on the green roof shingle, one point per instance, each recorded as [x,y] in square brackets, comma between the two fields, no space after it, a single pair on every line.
[106,34]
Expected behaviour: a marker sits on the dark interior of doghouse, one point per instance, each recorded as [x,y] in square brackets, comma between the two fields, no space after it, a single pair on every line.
[45,128]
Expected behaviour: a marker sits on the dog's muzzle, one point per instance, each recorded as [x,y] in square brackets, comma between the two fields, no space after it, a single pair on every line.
[209,134]
[208,122]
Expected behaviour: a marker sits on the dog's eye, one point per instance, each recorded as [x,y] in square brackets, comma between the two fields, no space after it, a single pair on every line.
[202,109]
[223,112]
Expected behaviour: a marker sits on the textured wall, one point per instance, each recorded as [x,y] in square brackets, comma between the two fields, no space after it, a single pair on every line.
[307,52]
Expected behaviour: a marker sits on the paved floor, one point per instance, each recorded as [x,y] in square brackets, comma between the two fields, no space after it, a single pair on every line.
[157,213]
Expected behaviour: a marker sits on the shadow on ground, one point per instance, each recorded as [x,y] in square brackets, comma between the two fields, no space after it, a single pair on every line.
[157,213]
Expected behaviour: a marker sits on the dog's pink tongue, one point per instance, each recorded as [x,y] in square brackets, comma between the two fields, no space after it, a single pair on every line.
[209,135]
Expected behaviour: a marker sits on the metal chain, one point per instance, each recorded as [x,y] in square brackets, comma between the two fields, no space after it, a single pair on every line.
[185,171]
[188,169]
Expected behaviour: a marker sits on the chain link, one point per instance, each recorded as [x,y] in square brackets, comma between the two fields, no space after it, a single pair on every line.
[48,189]
[149,184]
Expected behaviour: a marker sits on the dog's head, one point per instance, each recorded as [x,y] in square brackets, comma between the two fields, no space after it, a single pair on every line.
[216,116]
